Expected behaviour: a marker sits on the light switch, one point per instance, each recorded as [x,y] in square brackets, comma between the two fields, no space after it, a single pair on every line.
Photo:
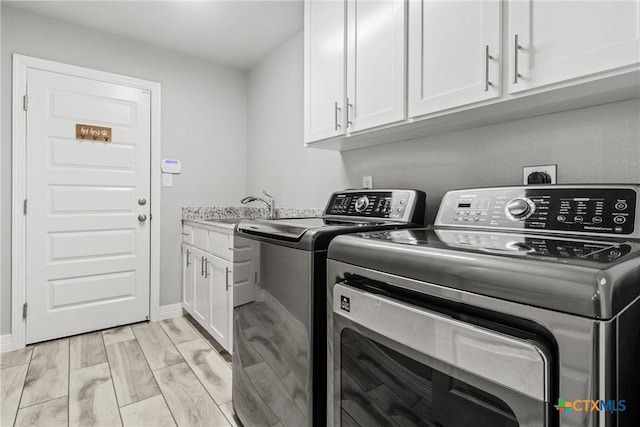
[167,180]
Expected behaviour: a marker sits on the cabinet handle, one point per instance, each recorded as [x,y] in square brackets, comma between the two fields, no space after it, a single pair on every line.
[202,266]
[226,277]
[335,117]
[188,254]
[487,57]
[516,48]
[206,268]
[349,122]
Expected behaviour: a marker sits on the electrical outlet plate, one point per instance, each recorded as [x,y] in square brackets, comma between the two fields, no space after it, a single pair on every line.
[367,182]
[551,170]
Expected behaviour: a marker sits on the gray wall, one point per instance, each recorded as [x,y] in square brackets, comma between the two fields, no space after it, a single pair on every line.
[203,124]
[598,144]
[277,161]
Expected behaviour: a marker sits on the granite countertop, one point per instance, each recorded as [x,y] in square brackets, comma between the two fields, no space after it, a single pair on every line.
[200,215]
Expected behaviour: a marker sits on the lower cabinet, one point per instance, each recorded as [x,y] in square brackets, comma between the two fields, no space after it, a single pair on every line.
[188,277]
[213,284]
[220,299]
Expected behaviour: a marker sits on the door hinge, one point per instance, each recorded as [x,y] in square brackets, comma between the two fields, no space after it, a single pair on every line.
[25,102]
[24,206]
[24,310]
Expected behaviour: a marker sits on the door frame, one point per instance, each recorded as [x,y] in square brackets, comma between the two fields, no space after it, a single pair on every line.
[21,64]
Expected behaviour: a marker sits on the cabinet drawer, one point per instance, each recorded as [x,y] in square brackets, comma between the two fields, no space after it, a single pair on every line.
[187,234]
[201,238]
[220,244]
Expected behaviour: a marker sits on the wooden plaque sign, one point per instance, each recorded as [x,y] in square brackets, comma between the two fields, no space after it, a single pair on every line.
[93,133]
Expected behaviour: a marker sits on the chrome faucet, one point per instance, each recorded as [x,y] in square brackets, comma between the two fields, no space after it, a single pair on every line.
[271,204]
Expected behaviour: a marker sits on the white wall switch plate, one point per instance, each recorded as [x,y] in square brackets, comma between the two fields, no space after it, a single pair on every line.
[167,180]
[367,182]
[550,170]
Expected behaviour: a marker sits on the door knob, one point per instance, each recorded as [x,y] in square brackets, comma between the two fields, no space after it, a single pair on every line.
[142,201]
[142,218]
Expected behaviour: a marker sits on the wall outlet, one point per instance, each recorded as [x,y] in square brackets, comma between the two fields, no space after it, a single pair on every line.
[367,182]
[549,170]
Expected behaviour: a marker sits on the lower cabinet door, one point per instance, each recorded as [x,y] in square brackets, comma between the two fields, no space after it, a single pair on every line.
[220,276]
[188,278]
[201,288]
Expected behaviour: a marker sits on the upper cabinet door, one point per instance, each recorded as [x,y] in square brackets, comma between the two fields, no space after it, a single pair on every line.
[324,69]
[376,34]
[454,54]
[562,40]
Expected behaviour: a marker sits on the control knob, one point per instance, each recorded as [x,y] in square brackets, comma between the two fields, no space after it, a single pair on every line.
[362,203]
[520,208]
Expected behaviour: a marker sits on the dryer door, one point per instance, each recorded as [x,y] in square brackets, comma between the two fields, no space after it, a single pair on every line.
[400,364]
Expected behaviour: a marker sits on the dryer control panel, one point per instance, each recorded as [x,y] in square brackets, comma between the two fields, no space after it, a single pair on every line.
[399,205]
[588,210]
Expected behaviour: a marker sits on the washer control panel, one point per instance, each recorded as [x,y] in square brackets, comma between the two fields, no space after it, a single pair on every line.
[597,210]
[387,204]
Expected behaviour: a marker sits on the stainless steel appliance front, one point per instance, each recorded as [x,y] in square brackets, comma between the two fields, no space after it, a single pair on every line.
[399,363]
[520,308]
[279,354]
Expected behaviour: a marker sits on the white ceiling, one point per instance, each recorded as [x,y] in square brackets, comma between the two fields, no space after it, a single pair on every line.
[237,33]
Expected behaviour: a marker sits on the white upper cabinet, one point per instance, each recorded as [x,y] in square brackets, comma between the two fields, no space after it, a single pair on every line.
[454,54]
[558,41]
[354,66]
[376,72]
[376,40]
[324,65]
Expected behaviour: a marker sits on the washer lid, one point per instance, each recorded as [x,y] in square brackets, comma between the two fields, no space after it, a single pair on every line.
[593,278]
[294,228]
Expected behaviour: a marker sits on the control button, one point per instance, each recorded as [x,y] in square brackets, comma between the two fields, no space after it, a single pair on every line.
[596,220]
[466,218]
[561,218]
[578,218]
[362,203]
[618,229]
[455,218]
[519,208]
[621,206]
[457,212]
[478,212]
[400,209]
[476,219]
[615,253]
[619,220]
[402,201]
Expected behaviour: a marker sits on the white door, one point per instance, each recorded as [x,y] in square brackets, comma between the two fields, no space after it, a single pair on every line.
[201,288]
[324,39]
[87,264]
[454,54]
[375,63]
[220,274]
[563,40]
[188,278]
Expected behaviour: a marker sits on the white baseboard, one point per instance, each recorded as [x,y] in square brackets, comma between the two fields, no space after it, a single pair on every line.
[170,311]
[6,343]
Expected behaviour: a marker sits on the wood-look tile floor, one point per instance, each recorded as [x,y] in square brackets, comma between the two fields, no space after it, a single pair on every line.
[147,374]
